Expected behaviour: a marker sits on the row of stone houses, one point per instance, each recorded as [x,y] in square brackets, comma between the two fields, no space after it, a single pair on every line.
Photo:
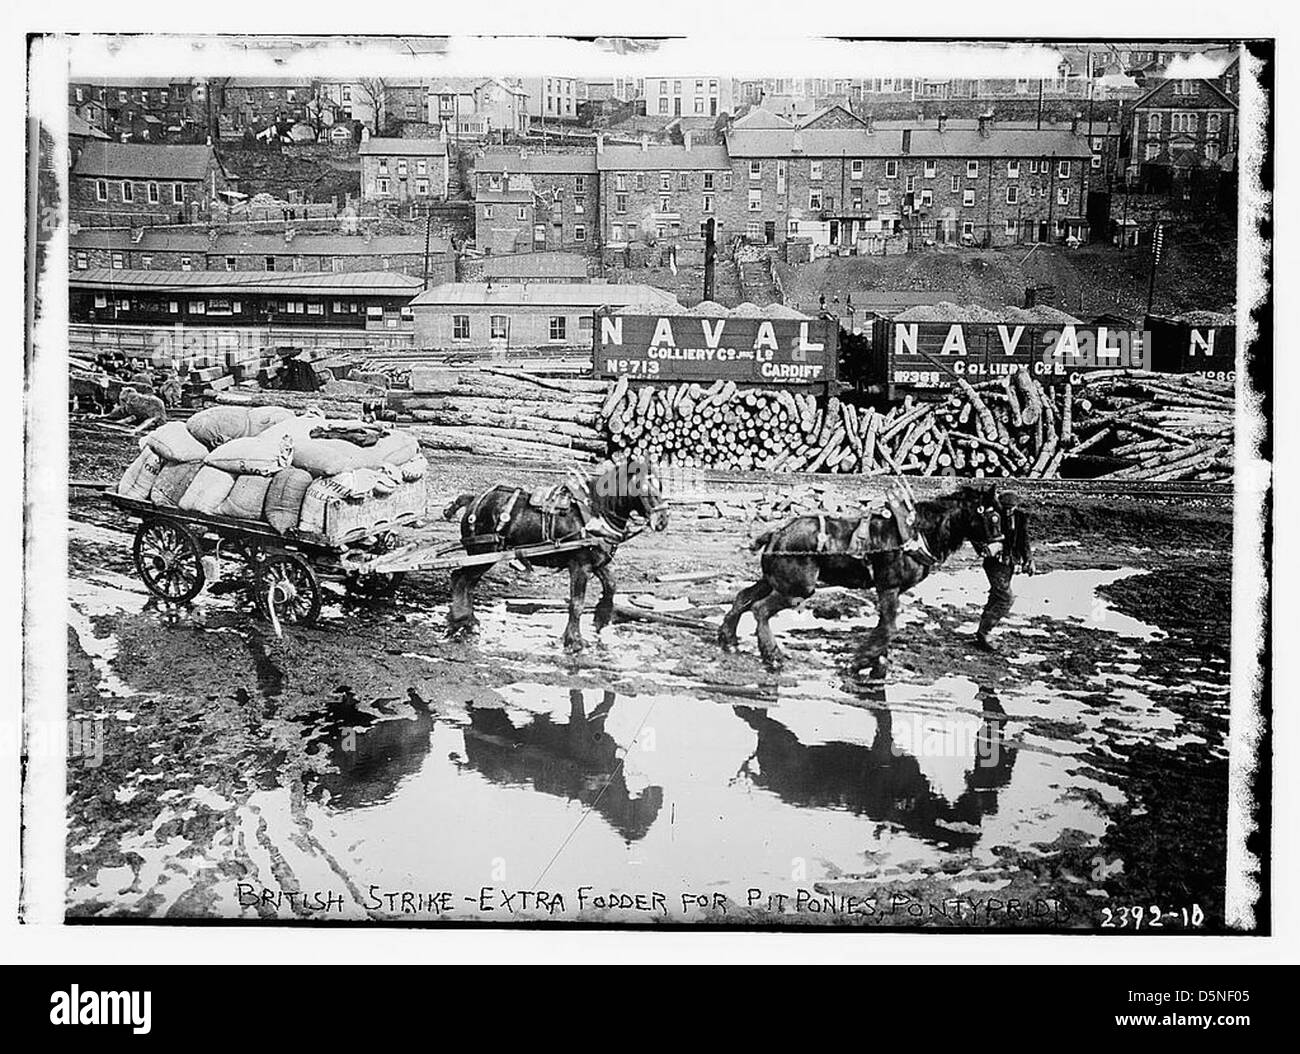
[834,180]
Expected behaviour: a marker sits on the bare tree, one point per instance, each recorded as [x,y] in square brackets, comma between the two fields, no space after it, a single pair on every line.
[320,108]
[375,89]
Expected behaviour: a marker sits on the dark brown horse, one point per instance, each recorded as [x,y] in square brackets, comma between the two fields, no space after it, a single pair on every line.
[809,551]
[608,508]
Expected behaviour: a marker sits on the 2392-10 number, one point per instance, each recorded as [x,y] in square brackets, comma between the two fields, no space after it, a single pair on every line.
[1151,917]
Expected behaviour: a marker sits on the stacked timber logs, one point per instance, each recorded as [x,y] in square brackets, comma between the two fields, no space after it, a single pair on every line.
[344,400]
[1156,426]
[504,413]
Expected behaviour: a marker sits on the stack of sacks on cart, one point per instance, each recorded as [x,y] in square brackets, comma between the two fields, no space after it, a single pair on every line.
[329,482]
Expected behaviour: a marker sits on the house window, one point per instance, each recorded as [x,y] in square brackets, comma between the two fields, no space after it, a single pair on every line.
[579,233]
[460,327]
[1212,151]
[152,190]
[557,327]
[270,263]
[855,169]
[585,326]
[1153,122]
[967,228]
[118,261]
[815,200]
[1033,168]
[620,181]
[956,184]
[1096,162]
[383,166]
[522,213]
[1013,195]
[1212,124]
[665,181]
[967,198]
[128,191]
[146,263]
[972,169]
[891,169]
[882,198]
[929,169]
[580,184]
[640,181]
[814,170]
[620,203]
[1011,228]
[230,263]
[383,186]
[708,203]
[753,230]
[665,204]
[683,181]
[101,300]
[173,307]
[487,212]
[101,190]
[422,167]
[315,307]
[83,261]
[1063,169]
[422,186]
[616,232]
[186,264]
[1013,170]
[927,198]
[755,201]
[1063,196]
[726,181]
[756,170]
[200,307]
[498,327]
[401,167]
[708,180]
[911,184]
[1152,151]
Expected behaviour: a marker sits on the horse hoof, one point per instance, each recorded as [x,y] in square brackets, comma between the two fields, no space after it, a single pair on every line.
[984,644]
[727,643]
[575,645]
[774,660]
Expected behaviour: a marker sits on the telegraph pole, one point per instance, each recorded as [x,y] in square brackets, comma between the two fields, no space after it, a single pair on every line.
[710,254]
[1157,248]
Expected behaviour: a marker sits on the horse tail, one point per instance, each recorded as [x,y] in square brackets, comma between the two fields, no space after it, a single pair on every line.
[462,501]
[761,541]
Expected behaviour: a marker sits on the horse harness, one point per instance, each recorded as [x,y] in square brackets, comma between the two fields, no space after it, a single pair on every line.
[551,503]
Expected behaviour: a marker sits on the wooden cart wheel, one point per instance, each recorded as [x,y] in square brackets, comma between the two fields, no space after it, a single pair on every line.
[169,560]
[372,586]
[287,582]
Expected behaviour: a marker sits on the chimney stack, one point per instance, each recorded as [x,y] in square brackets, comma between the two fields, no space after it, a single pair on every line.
[870,120]
[365,133]
[686,140]
[645,142]
[986,124]
[600,142]
[1074,123]
[943,122]
[907,140]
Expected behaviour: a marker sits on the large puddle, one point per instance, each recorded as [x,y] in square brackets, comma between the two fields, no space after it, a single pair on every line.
[541,796]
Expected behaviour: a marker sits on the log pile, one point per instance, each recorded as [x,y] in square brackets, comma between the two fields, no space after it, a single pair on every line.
[504,413]
[1161,427]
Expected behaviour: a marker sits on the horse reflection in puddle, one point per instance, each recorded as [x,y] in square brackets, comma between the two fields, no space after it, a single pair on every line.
[577,759]
[881,781]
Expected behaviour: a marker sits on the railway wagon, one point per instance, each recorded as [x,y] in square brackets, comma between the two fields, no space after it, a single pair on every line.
[895,358]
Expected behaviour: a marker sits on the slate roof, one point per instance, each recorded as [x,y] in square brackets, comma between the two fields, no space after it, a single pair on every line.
[548,294]
[391,147]
[661,158]
[583,163]
[926,142]
[345,284]
[140,161]
[156,239]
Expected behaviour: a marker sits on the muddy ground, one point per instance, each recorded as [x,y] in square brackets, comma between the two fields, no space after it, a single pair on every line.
[367,768]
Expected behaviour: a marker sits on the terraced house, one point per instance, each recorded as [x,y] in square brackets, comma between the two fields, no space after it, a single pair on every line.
[562,214]
[835,180]
[661,194]
[402,169]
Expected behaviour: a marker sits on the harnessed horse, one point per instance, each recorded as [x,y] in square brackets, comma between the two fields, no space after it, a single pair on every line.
[604,508]
[863,553]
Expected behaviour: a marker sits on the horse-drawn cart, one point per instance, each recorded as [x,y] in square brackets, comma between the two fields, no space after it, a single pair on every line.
[177,553]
